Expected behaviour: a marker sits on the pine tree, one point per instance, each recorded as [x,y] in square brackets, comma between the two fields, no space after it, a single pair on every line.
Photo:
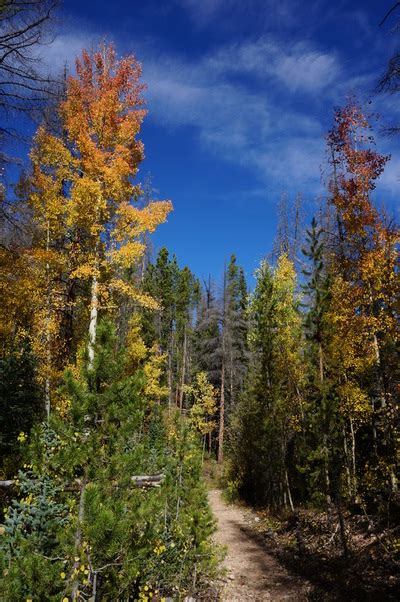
[21,403]
[87,521]
[251,443]
[187,293]
[322,421]
[236,330]
[177,292]
[207,336]
[267,418]
[234,350]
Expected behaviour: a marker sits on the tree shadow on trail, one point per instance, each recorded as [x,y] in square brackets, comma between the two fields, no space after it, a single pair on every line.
[277,580]
[329,578]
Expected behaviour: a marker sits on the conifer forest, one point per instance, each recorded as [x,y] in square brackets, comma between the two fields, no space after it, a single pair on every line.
[140,400]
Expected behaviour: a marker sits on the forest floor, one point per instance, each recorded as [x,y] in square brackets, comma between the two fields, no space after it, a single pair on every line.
[252,572]
[275,558]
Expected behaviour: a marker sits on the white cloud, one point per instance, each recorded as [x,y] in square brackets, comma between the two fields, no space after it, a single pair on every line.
[297,160]
[390,179]
[299,67]
[255,104]
[308,70]
[254,124]
[65,48]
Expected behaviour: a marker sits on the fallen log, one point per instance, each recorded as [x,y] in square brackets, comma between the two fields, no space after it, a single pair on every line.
[148,480]
[139,480]
[6,484]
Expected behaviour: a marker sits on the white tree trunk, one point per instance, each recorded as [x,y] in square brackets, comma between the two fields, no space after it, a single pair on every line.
[47,399]
[289,493]
[94,300]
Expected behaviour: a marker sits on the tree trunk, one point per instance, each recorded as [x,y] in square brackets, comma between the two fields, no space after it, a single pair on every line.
[78,540]
[342,529]
[353,457]
[325,438]
[170,377]
[348,471]
[326,470]
[93,320]
[48,335]
[393,478]
[221,417]
[222,396]
[184,353]
[94,300]
[289,494]
[321,364]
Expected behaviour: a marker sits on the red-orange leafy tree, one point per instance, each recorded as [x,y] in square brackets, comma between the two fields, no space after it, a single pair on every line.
[364,316]
[84,197]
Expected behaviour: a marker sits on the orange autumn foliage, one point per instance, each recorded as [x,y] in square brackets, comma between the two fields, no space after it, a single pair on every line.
[366,286]
[83,195]
[367,253]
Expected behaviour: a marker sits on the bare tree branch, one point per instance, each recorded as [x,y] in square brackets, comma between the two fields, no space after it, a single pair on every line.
[25,26]
[389,12]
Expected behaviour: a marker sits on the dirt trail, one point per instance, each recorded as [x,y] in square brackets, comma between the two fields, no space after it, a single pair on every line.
[253,574]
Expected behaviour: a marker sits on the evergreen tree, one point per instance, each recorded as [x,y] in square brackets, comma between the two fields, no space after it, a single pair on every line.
[105,531]
[322,422]
[21,402]
[250,438]
[266,421]
[233,329]
[208,344]
[236,330]
[187,296]
[177,292]
[207,336]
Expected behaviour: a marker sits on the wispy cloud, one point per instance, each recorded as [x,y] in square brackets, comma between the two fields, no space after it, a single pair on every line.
[63,51]
[207,8]
[299,66]
[254,123]
[284,13]
[308,70]
[262,103]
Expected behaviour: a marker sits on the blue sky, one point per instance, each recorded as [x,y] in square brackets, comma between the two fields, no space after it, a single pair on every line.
[240,95]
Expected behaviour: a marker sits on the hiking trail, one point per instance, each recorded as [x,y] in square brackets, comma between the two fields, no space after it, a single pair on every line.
[252,572]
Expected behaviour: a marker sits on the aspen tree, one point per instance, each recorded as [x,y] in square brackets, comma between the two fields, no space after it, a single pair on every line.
[86,179]
[366,266]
